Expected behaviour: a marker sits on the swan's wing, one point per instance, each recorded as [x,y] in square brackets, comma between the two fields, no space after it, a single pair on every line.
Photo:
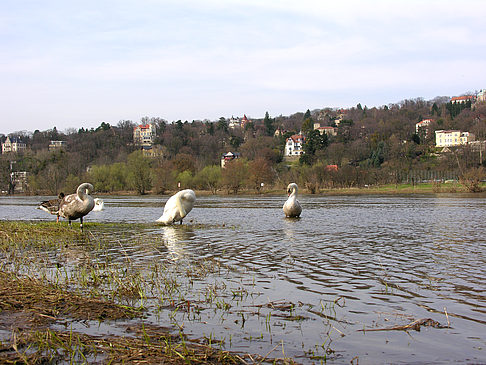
[50,206]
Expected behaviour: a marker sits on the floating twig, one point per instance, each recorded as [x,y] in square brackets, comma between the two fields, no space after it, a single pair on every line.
[415,325]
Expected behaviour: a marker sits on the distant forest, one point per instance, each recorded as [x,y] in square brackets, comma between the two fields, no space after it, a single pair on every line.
[373,146]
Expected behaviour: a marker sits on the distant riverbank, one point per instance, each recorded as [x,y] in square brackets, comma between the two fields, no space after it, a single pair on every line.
[424,188]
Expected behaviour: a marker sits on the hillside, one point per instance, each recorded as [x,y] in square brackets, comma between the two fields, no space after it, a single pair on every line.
[371,146]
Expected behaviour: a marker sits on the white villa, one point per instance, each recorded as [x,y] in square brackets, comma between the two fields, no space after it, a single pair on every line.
[13,144]
[463,99]
[234,123]
[228,157]
[423,125]
[294,145]
[54,145]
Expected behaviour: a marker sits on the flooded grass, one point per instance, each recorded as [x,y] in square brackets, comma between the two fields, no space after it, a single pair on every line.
[54,278]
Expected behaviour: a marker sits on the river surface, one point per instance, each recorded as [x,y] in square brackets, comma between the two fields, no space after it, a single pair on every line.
[350,263]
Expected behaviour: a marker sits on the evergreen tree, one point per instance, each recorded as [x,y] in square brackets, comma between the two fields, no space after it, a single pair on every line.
[307,123]
[435,109]
[307,115]
[268,123]
[222,124]
[314,142]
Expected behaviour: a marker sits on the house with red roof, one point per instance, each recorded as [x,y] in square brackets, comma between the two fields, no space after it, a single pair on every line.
[463,99]
[423,125]
[244,121]
[330,131]
[144,134]
[294,145]
[230,156]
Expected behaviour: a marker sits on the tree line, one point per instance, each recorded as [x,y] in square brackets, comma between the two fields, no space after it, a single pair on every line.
[372,146]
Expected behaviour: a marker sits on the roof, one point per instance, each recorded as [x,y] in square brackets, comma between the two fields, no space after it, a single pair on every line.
[296,138]
[231,155]
[14,139]
[448,131]
[464,97]
[143,126]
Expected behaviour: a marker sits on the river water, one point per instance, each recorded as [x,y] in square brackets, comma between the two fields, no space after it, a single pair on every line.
[350,263]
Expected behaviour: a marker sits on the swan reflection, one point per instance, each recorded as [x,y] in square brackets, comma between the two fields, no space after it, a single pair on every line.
[175,239]
[290,228]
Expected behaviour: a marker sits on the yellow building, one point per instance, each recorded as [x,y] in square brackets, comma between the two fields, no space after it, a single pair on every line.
[144,134]
[451,138]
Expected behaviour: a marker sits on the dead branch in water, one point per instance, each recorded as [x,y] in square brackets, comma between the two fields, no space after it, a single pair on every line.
[415,325]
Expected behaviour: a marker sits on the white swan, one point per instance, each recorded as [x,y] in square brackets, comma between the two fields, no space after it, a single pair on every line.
[51,206]
[292,208]
[99,205]
[178,206]
[77,205]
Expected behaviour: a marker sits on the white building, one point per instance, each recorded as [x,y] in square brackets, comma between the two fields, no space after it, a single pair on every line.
[463,99]
[467,137]
[234,123]
[481,96]
[423,125]
[57,145]
[230,156]
[13,144]
[19,180]
[294,145]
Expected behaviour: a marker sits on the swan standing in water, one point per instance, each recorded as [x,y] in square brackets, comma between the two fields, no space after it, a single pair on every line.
[52,206]
[76,206]
[178,206]
[292,208]
[99,205]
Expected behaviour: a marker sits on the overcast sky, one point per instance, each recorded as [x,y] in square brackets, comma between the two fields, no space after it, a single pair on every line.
[73,64]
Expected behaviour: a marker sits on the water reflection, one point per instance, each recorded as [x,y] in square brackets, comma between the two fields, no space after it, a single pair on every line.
[290,227]
[175,240]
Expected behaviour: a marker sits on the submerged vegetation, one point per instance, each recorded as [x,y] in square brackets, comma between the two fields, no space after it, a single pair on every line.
[130,293]
[31,308]
[53,290]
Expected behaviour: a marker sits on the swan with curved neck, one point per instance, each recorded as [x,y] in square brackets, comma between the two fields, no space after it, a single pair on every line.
[292,207]
[178,206]
[76,206]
